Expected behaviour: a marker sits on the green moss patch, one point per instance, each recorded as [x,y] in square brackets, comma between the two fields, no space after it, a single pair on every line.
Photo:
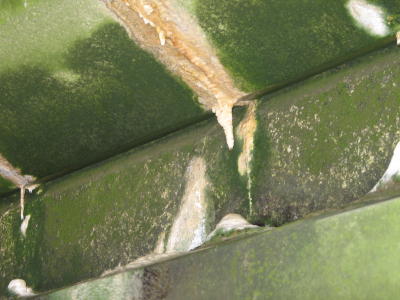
[111,97]
[329,140]
[267,43]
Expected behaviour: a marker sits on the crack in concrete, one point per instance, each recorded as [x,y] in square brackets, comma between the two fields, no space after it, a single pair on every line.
[173,36]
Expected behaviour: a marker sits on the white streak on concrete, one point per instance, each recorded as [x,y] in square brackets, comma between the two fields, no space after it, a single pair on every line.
[148,9]
[368,16]
[392,171]
[245,131]
[161,36]
[189,228]
[25,224]
[224,116]
[229,223]
[19,288]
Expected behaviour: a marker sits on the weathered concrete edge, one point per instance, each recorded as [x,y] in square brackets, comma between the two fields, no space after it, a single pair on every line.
[312,224]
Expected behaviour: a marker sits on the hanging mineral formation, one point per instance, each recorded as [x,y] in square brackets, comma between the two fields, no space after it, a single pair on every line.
[165,29]
[23,182]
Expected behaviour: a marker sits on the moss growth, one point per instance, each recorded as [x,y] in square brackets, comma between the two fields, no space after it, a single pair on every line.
[9,219]
[10,8]
[329,140]
[43,31]
[105,215]
[113,212]
[54,124]
[77,92]
[275,42]
[5,185]
[319,144]
[353,253]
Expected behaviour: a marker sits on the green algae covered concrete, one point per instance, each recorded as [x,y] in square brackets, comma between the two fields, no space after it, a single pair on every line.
[267,43]
[347,255]
[329,139]
[75,89]
[115,212]
[318,145]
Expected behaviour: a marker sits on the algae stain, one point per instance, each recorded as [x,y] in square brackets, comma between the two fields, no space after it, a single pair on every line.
[9,8]
[90,110]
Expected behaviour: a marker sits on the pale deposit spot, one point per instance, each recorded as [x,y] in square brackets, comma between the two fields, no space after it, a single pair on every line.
[231,222]
[368,16]
[19,288]
[391,172]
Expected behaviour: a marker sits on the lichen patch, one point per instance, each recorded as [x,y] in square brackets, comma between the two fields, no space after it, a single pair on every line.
[166,30]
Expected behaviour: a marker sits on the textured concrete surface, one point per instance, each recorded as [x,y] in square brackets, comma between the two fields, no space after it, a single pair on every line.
[318,145]
[78,90]
[346,255]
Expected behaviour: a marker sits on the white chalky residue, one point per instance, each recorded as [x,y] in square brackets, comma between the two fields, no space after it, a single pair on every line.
[146,21]
[231,222]
[199,235]
[246,131]
[161,36]
[368,16]
[19,288]
[189,228]
[25,224]
[392,170]
[148,9]
[224,118]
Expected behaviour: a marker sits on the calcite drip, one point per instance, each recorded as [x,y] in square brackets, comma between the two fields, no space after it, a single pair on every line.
[166,30]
